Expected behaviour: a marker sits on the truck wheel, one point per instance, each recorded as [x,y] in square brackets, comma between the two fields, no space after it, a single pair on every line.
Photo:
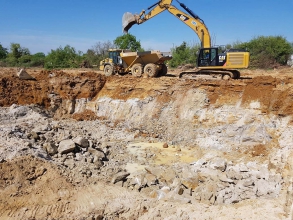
[137,70]
[108,70]
[163,71]
[151,69]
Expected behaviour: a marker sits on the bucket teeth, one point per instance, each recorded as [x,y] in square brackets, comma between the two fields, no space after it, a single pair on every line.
[128,20]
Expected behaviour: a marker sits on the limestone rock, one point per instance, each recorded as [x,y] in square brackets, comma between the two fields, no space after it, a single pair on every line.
[190,183]
[169,175]
[66,146]
[151,179]
[121,176]
[98,155]
[219,164]
[51,148]
[69,163]
[84,143]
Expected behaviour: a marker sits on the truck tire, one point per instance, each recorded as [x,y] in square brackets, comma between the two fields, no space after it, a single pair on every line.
[163,71]
[108,70]
[151,69]
[137,70]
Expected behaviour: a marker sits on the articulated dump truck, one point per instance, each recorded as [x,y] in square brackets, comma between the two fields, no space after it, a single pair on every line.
[151,63]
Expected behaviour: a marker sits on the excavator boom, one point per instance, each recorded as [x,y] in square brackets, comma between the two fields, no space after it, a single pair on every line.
[189,18]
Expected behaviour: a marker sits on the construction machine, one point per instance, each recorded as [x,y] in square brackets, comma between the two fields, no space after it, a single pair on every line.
[121,61]
[211,60]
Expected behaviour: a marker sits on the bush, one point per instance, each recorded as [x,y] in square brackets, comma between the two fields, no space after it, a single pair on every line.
[38,60]
[267,52]
[62,58]
[184,54]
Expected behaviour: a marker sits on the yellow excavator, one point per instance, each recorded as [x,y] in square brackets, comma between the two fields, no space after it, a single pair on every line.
[211,60]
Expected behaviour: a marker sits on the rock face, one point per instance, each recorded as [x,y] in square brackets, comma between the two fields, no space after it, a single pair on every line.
[153,144]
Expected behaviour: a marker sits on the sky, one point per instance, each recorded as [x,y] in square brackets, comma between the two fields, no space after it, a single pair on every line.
[43,25]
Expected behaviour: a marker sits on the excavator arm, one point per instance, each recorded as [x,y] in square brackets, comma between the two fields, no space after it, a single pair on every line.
[189,18]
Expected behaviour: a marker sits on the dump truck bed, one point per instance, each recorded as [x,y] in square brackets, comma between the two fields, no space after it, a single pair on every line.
[154,56]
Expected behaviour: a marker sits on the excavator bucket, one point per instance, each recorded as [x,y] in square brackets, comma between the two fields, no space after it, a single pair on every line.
[128,20]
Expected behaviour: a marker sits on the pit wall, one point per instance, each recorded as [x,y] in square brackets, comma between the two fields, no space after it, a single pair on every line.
[249,125]
[189,118]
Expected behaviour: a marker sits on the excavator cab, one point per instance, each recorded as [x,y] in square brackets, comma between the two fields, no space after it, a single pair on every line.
[208,57]
[212,58]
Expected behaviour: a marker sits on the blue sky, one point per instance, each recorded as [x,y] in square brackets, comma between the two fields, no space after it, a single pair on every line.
[42,25]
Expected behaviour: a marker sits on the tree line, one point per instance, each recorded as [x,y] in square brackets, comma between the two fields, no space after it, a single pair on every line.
[265,52]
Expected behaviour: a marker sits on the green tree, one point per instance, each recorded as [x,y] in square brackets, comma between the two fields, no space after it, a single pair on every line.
[184,54]
[66,57]
[128,41]
[38,60]
[17,51]
[3,52]
[24,60]
[267,51]
[18,55]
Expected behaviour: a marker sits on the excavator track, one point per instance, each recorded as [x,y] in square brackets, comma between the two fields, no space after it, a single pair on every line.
[211,74]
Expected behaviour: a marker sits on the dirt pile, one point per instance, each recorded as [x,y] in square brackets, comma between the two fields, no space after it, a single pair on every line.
[81,145]
[46,84]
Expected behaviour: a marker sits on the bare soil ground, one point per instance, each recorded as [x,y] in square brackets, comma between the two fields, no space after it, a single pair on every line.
[157,148]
